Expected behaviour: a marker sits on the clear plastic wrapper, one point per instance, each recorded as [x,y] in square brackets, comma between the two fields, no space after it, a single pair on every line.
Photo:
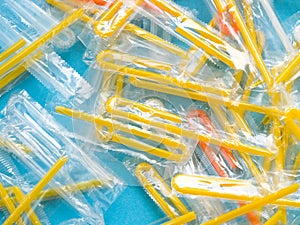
[155,182]
[32,20]
[259,178]
[243,190]
[60,78]
[104,21]
[221,113]
[169,74]
[25,46]
[292,26]
[187,70]
[17,206]
[268,42]
[250,31]
[146,138]
[278,46]
[147,21]
[214,105]
[269,46]
[83,187]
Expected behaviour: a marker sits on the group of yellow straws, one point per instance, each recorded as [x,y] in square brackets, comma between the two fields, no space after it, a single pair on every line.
[117,66]
[284,121]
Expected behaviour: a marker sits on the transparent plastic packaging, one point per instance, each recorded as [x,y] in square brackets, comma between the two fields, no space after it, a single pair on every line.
[83,187]
[161,193]
[17,206]
[256,178]
[27,37]
[291,24]
[60,78]
[268,42]
[169,74]
[101,25]
[243,190]
[213,107]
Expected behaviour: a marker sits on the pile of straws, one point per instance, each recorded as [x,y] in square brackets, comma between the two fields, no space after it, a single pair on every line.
[205,117]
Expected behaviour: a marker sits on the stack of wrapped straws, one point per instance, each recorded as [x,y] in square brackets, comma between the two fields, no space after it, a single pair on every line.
[204,116]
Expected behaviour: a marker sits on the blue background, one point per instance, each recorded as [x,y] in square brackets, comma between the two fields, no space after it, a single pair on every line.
[133,205]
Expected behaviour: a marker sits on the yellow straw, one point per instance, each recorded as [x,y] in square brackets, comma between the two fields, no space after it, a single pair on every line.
[250,43]
[82,186]
[15,47]
[275,218]
[288,71]
[256,204]
[182,219]
[52,193]
[119,85]
[167,193]
[296,165]
[156,40]
[8,203]
[157,77]
[194,185]
[208,48]
[206,33]
[19,197]
[289,119]
[110,14]
[35,191]
[238,106]
[10,63]
[14,74]
[280,158]
[66,8]
[249,20]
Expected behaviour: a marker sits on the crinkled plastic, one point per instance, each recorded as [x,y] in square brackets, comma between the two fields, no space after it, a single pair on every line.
[27,27]
[82,186]
[213,107]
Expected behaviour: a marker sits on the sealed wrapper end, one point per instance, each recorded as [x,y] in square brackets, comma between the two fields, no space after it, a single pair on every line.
[161,193]
[14,59]
[107,25]
[256,204]
[232,189]
[42,61]
[31,126]
[35,191]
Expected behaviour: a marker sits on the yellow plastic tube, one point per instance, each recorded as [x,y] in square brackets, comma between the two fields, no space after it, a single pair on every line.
[15,215]
[144,168]
[15,47]
[256,204]
[12,62]
[182,219]
[202,186]
[134,131]
[9,203]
